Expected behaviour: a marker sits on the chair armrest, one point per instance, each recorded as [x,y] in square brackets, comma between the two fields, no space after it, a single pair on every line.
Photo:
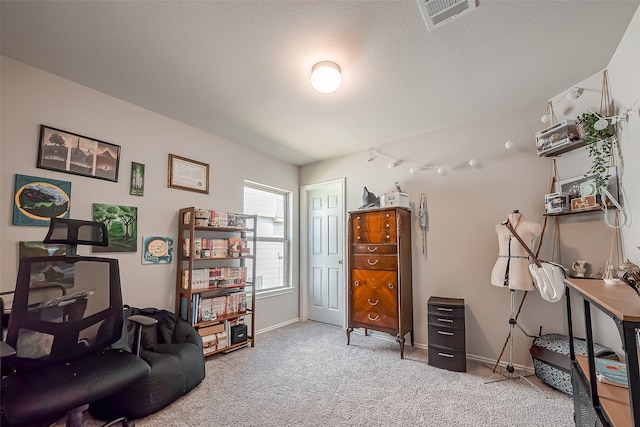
[140,321]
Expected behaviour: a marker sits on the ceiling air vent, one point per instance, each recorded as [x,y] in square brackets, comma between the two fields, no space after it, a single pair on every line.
[436,13]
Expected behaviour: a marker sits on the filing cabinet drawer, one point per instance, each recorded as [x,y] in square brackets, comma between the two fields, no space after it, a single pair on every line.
[446,358]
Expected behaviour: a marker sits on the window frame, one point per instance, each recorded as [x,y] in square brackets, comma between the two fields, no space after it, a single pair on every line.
[287,285]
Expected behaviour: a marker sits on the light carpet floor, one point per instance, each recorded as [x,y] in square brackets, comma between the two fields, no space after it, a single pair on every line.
[304,374]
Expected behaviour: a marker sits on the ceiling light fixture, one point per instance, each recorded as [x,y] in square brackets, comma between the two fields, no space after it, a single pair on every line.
[326,77]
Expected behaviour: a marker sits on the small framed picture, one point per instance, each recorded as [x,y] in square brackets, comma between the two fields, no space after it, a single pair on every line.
[68,152]
[136,186]
[187,174]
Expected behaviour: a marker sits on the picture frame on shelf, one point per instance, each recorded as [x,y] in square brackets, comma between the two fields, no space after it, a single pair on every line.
[582,193]
[187,174]
[63,151]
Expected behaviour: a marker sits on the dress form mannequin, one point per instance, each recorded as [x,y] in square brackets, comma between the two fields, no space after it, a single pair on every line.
[512,267]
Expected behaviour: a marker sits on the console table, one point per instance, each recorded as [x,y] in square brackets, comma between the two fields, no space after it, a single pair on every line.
[597,403]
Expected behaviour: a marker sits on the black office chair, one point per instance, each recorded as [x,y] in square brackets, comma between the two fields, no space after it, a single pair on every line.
[66,311]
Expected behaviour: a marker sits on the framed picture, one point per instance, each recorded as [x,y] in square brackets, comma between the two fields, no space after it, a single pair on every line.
[64,151]
[187,174]
[37,200]
[157,250]
[584,187]
[136,187]
[122,227]
[29,249]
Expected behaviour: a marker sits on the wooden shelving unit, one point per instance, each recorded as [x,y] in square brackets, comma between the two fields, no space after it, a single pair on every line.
[595,402]
[193,301]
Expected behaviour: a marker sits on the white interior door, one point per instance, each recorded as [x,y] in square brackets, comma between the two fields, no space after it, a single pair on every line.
[326,296]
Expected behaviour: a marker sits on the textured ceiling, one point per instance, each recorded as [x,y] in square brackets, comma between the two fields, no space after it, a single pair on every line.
[240,69]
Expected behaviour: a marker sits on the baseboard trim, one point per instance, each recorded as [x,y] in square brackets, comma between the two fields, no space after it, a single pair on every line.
[276,326]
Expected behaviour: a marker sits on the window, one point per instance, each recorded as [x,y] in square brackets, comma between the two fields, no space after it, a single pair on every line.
[273,236]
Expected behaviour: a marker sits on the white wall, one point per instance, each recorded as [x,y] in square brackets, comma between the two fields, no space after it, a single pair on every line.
[31,97]
[465,206]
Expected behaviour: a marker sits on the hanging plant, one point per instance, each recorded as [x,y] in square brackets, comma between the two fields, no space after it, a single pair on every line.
[599,144]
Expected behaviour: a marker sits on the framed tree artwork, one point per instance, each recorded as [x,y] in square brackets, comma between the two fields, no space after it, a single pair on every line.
[122,227]
[64,151]
[36,200]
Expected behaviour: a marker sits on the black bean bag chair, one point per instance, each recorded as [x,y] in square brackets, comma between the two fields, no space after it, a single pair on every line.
[173,350]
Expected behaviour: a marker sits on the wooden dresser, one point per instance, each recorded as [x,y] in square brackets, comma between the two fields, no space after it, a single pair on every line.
[380,290]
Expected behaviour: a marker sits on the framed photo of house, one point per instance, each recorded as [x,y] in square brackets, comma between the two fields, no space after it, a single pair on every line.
[187,174]
[68,152]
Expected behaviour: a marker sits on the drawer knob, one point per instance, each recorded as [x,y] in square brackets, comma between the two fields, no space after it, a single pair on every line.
[387,225]
[358,227]
[358,237]
[372,318]
[388,236]
[375,248]
[356,283]
[372,263]
[390,285]
[372,303]
[387,215]
[445,320]
[445,333]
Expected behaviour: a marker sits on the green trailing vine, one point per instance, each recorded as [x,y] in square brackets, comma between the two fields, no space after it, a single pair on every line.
[599,145]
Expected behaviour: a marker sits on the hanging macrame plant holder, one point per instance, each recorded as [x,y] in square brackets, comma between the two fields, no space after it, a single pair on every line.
[609,149]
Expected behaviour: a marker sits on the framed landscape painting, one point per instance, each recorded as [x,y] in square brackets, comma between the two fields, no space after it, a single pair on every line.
[122,227]
[64,151]
[37,200]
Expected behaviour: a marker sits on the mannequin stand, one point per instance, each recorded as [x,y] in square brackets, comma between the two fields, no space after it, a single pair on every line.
[510,372]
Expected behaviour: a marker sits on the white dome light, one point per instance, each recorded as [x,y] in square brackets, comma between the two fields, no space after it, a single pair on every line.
[326,77]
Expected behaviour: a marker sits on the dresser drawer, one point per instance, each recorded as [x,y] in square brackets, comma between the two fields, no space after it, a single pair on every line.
[447,337]
[374,227]
[374,298]
[374,262]
[381,249]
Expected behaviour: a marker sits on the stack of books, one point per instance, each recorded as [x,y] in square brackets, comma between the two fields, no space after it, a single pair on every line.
[612,372]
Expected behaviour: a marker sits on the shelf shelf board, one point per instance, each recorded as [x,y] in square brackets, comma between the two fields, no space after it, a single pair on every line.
[582,211]
[224,317]
[613,399]
[218,258]
[228,348]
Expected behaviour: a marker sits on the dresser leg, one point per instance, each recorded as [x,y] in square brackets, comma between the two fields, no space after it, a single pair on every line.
[349,330]
[411,336]
[401,342]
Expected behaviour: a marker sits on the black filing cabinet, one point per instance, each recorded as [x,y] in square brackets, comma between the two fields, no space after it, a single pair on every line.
[447,347]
